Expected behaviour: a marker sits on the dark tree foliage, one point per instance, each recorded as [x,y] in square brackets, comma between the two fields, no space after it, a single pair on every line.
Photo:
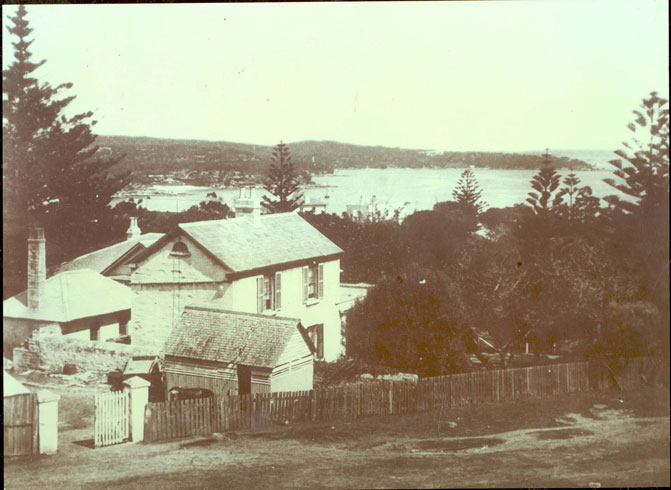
[642,220]
[161,222]
[544,184]
[468,193]
[282,182]
[411,324]
[374,248]
[52,172]
[645,175]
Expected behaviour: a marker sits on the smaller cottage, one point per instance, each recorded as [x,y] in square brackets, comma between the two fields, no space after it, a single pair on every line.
[238,353]
[79,303]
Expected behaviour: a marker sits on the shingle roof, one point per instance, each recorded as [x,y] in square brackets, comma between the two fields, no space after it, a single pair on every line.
[70,296]
[228,336]
[101,259]
[243,245]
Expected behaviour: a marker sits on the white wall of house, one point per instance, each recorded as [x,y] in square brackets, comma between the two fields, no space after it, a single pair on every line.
[242,296]
[294,369]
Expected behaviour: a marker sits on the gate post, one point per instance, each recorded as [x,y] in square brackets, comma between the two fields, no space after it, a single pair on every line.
[47,409]
[138,391]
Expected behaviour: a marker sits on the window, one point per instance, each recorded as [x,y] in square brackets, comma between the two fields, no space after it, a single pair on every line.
[313,282]
[179,249]
[269,292]
[316,335]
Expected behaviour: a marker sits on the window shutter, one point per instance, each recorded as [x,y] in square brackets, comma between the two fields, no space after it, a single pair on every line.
[320,281]
[320,341]
[305,284]
[278,290]
[259,295]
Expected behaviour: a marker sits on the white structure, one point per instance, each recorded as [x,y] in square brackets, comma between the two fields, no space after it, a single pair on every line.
[138,391]
[47,404]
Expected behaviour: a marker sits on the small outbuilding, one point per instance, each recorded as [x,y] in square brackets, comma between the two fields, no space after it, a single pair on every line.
[229,352]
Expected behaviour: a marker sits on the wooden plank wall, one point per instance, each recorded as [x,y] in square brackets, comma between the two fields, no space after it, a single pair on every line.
[112,418]
[20,425]
[167,420]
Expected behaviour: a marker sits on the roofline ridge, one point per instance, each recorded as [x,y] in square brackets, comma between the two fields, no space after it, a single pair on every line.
[258,315]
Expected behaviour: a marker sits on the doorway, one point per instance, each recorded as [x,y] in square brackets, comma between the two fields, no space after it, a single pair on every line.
[244,380]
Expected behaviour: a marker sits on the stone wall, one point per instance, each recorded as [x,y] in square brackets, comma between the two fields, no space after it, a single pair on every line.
[49,353]
[157,307]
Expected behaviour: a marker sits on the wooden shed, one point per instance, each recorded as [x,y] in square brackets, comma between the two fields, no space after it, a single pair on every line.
[20,418]
[237,353]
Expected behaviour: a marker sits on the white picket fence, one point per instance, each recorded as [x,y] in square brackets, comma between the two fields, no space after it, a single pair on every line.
[112,418]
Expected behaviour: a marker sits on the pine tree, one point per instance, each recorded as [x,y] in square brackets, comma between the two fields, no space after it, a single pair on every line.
[646,173]
[52,174]
[282,183]
[468,193]
[642,221]
[545,182]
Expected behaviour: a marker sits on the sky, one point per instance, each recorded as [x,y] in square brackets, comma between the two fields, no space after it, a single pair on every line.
[460,76]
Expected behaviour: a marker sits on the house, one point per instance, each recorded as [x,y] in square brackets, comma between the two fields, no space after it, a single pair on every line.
[78,303]
[238,353]
[113,261]
[275,264]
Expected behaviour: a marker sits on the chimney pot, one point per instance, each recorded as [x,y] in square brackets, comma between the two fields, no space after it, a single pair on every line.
[133,230]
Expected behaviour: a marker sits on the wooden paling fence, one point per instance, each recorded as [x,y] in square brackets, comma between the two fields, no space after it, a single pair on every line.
[112,418]
[171,420]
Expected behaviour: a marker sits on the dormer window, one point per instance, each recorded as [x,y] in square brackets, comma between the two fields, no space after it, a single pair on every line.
[179,249]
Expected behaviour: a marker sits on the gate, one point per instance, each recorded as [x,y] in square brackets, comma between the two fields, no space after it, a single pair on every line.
[112,418]
[20,425]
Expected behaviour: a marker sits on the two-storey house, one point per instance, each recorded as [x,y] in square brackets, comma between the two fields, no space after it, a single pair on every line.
[275,264]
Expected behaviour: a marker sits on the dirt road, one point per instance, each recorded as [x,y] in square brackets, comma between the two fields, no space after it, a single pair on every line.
[569,441]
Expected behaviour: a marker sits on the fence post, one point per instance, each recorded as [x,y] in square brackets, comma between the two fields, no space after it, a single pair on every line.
[138,391]
[391,396]
[47,421]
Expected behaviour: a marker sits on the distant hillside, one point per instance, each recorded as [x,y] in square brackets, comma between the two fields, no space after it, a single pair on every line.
[206,162]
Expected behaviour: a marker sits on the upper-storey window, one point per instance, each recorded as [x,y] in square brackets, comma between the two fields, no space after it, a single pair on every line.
[313,282]
[269,292]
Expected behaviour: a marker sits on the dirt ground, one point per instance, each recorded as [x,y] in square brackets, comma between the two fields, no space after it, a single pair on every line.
[612,438]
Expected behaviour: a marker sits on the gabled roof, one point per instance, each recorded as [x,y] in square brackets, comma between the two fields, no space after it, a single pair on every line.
[211,334]
[103,259]
[241,244]
[70,296]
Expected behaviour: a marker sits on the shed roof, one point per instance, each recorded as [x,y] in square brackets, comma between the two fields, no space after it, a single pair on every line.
[11,386]
[70,296]
[139,365]
[103,259]
[243,245]
[210,334]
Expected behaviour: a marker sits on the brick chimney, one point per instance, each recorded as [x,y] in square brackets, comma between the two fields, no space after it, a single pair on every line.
[133,230]
[37,268]
[247,204]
